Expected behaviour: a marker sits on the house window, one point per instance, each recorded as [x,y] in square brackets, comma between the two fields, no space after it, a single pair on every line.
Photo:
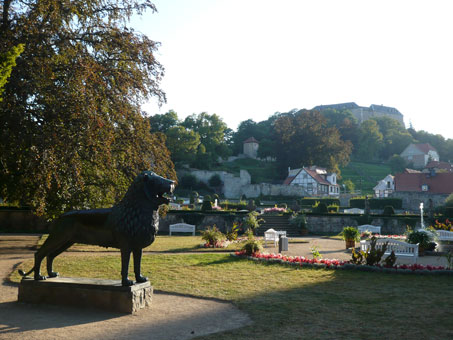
[388,185]
[424,187]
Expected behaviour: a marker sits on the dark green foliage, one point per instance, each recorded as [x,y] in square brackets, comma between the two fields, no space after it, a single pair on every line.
[207,204]
[188,181]
[215,181]
[252,222]
[312,201]
[449,212]
[372,256]
[422,237]
[388,211]
[192,217]
[350,233]
[321,208]
[233,206]
[252,246]
[390,260]
[304,138]
[333,208]
[73,134]
[299,220]
[232,235]
[376,203]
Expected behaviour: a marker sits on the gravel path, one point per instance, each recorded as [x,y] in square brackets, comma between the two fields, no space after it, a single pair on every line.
[169,317]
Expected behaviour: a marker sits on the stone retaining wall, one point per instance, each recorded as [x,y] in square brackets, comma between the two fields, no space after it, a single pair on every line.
[316,224]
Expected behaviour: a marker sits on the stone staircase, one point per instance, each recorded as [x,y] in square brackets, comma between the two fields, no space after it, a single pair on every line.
[279,223]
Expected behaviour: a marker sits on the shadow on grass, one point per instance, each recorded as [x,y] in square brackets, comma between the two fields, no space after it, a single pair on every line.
[351,305]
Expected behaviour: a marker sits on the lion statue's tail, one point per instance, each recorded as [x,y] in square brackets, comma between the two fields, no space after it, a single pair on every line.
[22,273]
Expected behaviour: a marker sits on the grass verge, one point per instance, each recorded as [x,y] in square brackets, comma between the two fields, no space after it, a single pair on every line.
[164,243]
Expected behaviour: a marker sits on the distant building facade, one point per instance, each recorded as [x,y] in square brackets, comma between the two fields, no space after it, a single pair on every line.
[420,155]
[362,113]
[315,181]
[385,187]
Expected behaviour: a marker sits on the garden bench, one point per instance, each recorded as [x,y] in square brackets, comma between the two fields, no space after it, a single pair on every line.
[182,228]
[400,248]
[444,235]
[371,228]
[273,235]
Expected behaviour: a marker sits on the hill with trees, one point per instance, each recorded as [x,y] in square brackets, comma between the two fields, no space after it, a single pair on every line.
[329,138]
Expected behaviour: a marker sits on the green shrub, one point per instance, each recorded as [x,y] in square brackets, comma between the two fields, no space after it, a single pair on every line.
[299,221]
[251,222]
[188,181]
[388,211]
[372,256]
[448,212]
[206,206]
[333,208]
[232,234]
[312,201]
[321,208]
[252,246]
[376,203]
[212,236]
[215,181]
[283,205]
[350,233]
[422,237]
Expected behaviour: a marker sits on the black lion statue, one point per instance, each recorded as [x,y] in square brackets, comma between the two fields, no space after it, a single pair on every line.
[131,225]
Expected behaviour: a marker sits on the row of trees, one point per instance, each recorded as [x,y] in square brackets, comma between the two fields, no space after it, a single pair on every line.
[299,137]
[73,134]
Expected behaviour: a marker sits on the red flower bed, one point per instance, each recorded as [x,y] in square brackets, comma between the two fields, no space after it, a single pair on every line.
[334,263]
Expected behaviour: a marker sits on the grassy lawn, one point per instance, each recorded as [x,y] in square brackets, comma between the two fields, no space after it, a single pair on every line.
[165,243]
[365,175]
[289,303]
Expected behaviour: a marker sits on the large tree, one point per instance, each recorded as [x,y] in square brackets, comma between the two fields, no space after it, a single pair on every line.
[304,139]
[73,135]
[213,134]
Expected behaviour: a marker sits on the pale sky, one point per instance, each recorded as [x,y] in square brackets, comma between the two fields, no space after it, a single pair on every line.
[247,59]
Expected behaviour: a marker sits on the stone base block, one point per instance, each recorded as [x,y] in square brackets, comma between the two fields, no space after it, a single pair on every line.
[88,293]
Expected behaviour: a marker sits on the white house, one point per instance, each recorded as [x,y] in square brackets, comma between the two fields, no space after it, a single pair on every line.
[385,187]
[420,154]
[316,181]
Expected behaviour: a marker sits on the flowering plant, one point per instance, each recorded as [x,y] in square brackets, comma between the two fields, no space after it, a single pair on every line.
[339,264]
[448,225]
[274,210]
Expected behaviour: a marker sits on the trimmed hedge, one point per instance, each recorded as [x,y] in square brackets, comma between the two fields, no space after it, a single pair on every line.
[376,203]
[312,201]
[234,206]
[449,212]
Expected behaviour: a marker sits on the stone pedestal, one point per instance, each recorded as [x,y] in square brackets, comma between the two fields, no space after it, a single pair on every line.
[88,293]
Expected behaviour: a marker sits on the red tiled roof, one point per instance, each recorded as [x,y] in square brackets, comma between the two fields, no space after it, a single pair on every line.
[251,140]
[411,171]
[316,176]
[288,180]
[441,183]
[425,147]
[439,165]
